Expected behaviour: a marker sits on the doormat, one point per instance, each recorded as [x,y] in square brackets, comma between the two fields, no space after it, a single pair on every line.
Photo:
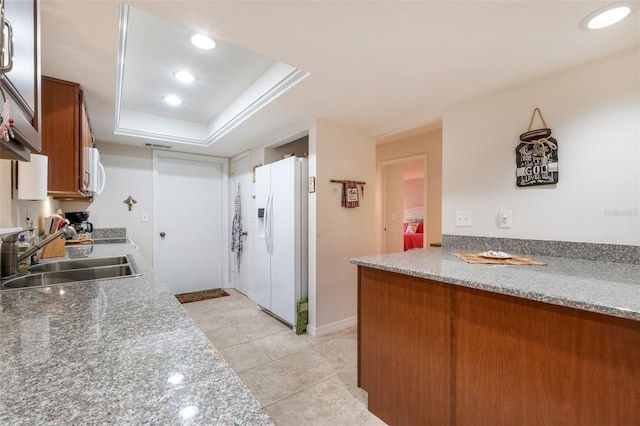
[196,296]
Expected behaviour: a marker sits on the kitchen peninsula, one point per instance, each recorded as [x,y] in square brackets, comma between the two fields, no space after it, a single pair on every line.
[118,351]
[444,342]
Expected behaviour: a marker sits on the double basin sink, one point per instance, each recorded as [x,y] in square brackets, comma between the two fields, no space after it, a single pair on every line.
[74,270]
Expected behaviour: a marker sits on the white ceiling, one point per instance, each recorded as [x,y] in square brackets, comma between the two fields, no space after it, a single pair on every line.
[149,68]
[381,66]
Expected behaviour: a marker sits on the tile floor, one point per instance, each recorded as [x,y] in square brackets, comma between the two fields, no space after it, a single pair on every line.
[298,379]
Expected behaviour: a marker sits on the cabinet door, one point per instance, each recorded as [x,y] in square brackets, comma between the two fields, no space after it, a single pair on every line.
[522,362]
[404,347]
[61,136]
[21,85]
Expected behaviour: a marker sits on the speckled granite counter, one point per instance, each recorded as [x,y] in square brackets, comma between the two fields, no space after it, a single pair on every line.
[607,288]
[120,351]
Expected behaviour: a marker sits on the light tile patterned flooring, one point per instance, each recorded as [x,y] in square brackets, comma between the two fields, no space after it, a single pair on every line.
[298,379]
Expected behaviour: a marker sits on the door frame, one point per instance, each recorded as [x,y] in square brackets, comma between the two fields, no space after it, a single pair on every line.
[224,162]
[248,226]
[380,172]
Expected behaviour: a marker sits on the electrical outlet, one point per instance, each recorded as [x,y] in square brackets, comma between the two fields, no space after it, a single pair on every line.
[505,219]
[463,217]
[144,217]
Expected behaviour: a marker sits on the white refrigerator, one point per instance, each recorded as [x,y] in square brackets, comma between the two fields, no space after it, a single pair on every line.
[281,236]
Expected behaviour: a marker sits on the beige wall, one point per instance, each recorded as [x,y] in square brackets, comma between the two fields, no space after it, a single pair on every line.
[393,220]
[337,234]
[593,112]
[429,144]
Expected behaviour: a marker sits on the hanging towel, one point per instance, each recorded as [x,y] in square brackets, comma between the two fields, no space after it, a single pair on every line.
[236,229]
[350,194]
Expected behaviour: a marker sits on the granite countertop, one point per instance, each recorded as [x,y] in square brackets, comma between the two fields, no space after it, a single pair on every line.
[603,287]
[119,351]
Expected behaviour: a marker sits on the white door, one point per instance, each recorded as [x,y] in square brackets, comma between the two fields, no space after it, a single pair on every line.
[241,263]
[190,228]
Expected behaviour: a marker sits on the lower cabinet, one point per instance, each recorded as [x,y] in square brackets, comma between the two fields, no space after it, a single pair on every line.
[430,353]
[404,342]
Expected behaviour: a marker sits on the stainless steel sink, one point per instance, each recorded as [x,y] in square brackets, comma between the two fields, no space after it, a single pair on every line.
[63,265]
[76,270]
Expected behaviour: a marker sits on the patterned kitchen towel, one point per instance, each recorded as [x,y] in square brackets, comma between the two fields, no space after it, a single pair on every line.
[350,194]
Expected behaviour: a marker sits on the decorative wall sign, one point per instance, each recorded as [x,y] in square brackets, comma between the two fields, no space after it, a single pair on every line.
[537,156]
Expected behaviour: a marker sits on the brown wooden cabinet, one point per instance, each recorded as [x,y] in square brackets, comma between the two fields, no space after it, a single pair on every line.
[407,379]
[524,362]
[431,353]
[65,134]
[21,85]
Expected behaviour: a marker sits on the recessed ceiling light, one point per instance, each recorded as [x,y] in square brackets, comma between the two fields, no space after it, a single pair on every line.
[607,15]
[172,100]
[203,42]
[184,76]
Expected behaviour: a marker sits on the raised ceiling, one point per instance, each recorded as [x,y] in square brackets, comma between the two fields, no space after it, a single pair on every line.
[231,83]
[380,66]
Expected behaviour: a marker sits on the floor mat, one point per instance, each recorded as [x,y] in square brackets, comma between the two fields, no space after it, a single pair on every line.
[196,296]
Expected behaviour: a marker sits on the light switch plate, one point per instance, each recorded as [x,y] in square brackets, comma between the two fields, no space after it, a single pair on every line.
[463,217]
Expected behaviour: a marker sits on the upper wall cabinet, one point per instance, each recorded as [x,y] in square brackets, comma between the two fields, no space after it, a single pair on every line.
[21,84]
[65,135]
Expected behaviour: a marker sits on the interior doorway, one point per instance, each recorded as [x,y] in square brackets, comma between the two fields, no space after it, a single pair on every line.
[404,203]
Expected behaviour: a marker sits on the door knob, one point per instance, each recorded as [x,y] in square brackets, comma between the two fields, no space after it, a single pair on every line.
[162,234]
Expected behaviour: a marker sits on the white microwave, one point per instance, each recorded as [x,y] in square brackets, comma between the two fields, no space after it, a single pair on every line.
[95,177]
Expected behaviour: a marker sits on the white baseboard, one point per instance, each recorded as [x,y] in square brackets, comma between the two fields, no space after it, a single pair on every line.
[333,327]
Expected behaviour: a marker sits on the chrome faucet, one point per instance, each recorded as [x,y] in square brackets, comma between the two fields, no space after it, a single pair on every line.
[9,258]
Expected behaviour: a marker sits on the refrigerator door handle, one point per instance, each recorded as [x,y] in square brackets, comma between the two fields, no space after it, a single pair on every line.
[267,225]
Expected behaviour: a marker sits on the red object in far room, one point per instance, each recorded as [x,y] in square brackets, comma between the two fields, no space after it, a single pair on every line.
[413,235]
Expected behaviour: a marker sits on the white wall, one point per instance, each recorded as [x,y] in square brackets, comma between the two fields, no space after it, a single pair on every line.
[13,212]
[594,113]
[129,171]
[337,234]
